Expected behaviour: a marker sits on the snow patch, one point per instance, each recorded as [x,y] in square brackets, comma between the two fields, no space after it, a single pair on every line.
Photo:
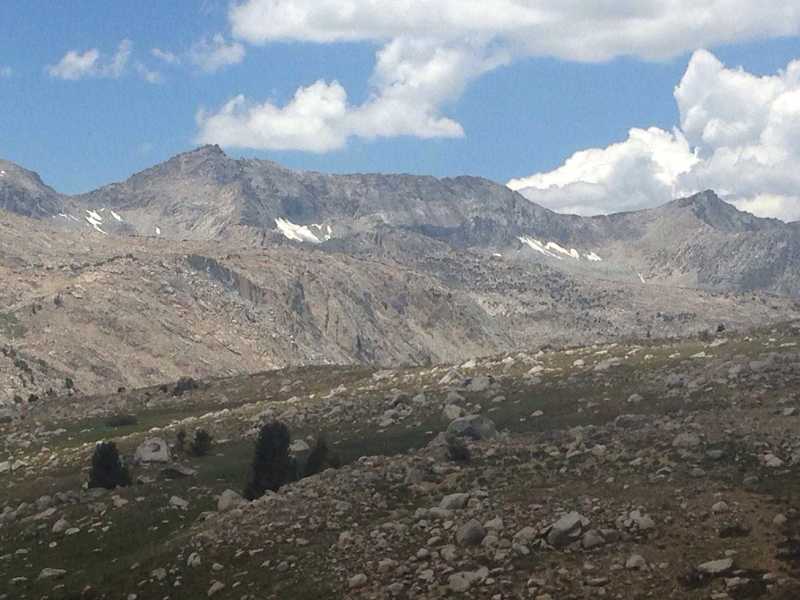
[554,250]
[116,216]
[537,245]
[95,220]
[158,230]
[641,278]
[571,253]
[304,233]
[2,173]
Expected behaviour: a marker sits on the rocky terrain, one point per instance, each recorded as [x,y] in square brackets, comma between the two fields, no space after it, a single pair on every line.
[85,312]
[209,266]
[636,469]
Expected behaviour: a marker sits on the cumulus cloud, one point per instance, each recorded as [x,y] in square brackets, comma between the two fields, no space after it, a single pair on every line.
[412,79]
[148,75]
[213,54]
[165,56]
[739,134]
[636,173]
[431,49]
[567,29]
[76,65]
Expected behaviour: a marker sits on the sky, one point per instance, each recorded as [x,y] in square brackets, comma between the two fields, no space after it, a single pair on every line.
[583,107]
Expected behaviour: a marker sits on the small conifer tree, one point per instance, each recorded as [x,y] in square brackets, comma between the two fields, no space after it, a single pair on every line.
[318,459]
[201,444]
[107,469]
[272,465]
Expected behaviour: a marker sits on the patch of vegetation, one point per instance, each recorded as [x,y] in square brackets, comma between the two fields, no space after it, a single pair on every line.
[10,326]
[272,466]
[457,450]
[116,421]
[184,384]
[201,443]
[107,469]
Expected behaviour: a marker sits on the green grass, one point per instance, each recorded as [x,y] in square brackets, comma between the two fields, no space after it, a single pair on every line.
[10,327]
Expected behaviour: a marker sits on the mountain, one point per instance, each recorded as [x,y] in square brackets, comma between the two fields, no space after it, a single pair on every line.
[204,194]
[205,266]
[24,193]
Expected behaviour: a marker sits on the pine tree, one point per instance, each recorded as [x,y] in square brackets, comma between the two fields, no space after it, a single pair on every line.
[272,465]
[107,468]
[318,458]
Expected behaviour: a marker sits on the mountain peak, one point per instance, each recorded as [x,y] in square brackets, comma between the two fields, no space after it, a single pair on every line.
[715,212]
[208,150]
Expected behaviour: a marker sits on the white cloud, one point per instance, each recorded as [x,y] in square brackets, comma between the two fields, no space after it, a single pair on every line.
[148,75]
[75,65]
[431,49]
[165,56]
[739,134]
[567,29]
[412,80]
[641,171]
[214,54]
[6,72]
[311,120]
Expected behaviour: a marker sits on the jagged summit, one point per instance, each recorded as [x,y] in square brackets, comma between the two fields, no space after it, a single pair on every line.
[715,212]
[23,192]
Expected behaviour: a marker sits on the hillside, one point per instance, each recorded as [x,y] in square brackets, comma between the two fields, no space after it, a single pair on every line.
[625,470]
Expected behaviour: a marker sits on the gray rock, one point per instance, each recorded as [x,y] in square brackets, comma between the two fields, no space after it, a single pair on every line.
[152,450]
[357,581]
[451,411]
[454,501]
[567,529]
[216,586]
[686,441]
[636,562]
[592,539]
[464,580]
[48,573]
[228,500]
[179,502]
[716,567]
[470,534]
[476,427]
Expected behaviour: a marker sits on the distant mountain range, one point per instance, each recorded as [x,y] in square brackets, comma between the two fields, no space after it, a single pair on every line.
[699,241]
[208,265]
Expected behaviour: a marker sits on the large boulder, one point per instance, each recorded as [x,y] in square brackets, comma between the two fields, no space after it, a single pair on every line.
[228,500]
[154,450]
[567,529]
[476,427]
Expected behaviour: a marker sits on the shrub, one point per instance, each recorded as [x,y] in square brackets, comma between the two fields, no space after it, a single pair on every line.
[69,384]
[201,443]
[121,421]
[272,466]
[107,469]
[457,450]
[180,440]
[184,384]
[318,458]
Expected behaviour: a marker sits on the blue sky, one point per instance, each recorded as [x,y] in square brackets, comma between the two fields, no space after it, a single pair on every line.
[504,113]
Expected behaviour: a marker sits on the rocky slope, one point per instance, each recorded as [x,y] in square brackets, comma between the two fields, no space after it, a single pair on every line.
[629,470]
[205,195]
[95,312]
[23,192]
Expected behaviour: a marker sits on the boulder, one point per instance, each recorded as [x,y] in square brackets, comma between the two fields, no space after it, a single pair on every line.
[454,501]
[470,534]
[228,500]
[152,450]
[476,427]
[567,529]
